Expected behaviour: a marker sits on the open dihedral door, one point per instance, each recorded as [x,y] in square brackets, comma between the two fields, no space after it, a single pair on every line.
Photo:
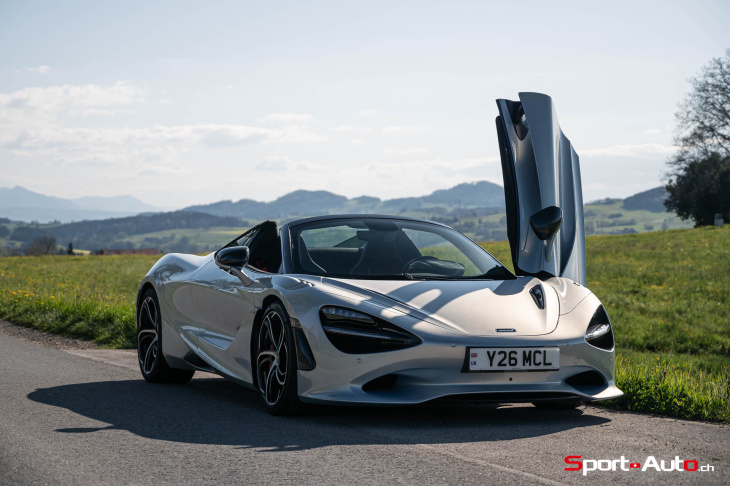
[542,190]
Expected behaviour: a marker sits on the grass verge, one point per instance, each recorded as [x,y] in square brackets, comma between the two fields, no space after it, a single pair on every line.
[672,386]
[89,297]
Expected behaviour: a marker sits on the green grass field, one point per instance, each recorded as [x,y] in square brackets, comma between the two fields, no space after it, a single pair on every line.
[667,293]
[84,296]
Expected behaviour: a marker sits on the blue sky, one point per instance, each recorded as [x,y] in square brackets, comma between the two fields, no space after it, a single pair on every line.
[181,103]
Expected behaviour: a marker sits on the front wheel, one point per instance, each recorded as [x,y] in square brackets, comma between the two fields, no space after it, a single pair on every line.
[152,363]
[276,366]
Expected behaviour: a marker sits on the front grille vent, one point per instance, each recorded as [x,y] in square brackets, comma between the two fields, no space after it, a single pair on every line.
[587,378]
[382,383]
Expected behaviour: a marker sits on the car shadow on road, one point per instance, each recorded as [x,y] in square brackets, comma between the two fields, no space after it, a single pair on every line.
[215,411]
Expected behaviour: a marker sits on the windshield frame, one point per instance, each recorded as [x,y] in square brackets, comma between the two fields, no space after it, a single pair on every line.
[292,229]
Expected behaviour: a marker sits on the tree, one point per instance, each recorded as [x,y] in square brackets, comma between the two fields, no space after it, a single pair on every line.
[45,245]
[698,184]
[701,190]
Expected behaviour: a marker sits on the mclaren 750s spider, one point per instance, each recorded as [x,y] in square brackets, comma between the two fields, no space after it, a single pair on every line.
[384,310]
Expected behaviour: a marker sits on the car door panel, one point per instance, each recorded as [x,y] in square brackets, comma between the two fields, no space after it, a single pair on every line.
[541,170]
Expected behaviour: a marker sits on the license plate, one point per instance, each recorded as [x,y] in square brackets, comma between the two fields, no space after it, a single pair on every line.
[513,359]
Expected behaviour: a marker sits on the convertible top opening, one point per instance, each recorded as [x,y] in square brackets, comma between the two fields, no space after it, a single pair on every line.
[370,248]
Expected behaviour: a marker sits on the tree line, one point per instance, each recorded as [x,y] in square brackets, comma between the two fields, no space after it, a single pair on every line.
[109,233]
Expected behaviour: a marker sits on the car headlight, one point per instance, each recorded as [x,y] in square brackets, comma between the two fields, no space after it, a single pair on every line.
[353,332]
[599,332]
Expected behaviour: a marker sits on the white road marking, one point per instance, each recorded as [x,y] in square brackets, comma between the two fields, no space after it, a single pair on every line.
[126,358]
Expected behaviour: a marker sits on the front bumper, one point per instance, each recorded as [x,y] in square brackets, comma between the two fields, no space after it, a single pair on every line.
[428,372]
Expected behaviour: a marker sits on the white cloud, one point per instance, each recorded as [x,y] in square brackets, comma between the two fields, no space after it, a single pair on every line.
[35,122]
[164,102]
[369,112]
[392,130]
[309,167]
[294,134]
[406,152]
[356,141]
[652,130]
[280,164]
[636,150]
[209,135]
[275,164]
[34,105]
[302,118]
[347,128]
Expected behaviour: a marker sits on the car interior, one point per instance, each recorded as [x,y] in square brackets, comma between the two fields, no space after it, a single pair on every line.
[264,247]
[372,253]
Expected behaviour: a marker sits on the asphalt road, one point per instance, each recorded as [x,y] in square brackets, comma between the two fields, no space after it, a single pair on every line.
[89,418]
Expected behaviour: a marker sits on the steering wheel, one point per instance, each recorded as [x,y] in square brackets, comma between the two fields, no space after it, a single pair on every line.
[417,259]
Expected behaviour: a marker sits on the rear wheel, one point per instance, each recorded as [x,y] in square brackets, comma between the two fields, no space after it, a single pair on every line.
[557,405]
[276,367]
[152,363]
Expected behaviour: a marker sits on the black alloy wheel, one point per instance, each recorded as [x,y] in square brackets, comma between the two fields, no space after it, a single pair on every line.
[152,363]
[276,363]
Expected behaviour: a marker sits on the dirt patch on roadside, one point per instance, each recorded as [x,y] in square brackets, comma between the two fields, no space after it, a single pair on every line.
[44,338]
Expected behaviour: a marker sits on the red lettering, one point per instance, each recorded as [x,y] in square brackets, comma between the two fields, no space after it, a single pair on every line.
[687,463]
[578,464]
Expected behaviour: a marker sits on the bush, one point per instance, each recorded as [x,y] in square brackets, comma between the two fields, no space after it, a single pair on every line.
[45,245]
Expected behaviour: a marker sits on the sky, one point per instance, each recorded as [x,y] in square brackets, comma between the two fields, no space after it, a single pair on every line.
[180,103]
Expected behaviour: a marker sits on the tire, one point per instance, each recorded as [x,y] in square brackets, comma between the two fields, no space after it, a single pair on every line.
[557,405]
[276,363]
[152,362]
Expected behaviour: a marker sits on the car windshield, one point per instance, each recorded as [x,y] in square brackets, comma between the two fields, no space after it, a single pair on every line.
[365,248]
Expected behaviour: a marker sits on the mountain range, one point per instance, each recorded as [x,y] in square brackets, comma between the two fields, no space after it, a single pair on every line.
[21,204]
[480,194]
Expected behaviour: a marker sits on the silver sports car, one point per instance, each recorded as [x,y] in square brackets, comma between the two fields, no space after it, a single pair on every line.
[369,309]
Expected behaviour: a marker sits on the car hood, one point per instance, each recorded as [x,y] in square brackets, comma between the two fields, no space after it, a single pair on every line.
[477,307]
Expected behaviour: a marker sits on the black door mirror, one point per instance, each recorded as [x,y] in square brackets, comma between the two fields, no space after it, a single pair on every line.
[232,260]
[236,256]
[546,222]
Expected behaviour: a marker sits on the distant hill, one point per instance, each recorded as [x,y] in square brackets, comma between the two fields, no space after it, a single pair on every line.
[651,200]
[481,194]
[21,204]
